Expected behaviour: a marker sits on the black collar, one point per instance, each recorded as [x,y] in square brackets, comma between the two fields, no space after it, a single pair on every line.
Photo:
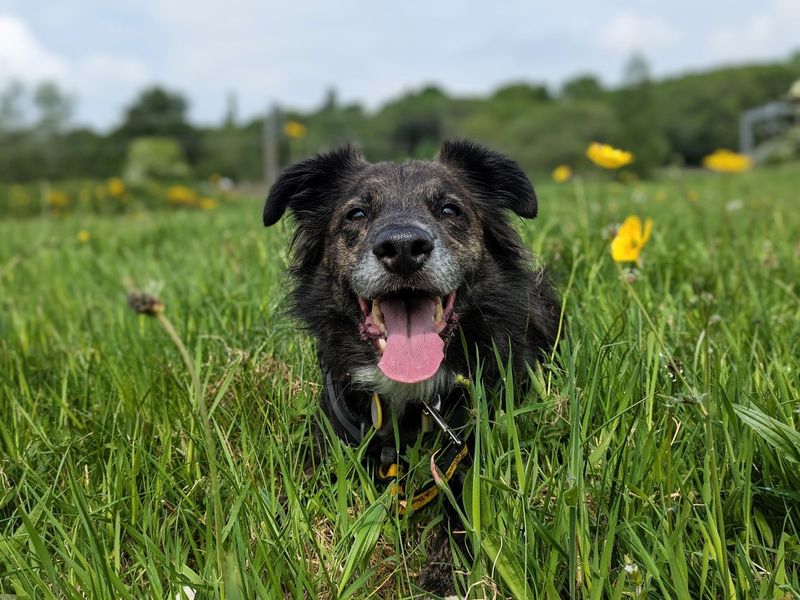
[351,426]
[351,413]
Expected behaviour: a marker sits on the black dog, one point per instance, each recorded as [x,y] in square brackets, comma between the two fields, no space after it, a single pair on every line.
[395,265]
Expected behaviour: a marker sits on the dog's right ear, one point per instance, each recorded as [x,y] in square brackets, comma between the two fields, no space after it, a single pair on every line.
[304,186]
[494,175]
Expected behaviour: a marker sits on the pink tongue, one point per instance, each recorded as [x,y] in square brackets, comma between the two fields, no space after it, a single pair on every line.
[413,350]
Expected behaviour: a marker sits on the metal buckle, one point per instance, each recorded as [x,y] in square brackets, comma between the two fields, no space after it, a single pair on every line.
[433,411]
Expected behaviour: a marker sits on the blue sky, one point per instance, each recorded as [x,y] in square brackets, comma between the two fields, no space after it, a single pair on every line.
[104,51]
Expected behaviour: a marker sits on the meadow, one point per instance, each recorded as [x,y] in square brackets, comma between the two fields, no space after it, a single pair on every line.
[657,454]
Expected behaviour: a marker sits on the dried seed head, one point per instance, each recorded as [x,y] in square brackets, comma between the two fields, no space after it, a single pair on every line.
[145,304]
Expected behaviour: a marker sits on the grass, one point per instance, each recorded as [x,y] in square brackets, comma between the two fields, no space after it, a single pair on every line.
[660,458]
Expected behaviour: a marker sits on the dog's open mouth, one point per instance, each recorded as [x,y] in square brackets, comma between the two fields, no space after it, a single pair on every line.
[409,329]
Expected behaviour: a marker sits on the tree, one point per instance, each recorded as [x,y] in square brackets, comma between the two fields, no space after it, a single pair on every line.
[582,87]
[411,126]
[158,112]
[12,113]
[54,108]
[331,101]
[794,60]
[640,127]
[231,111]
[522,92]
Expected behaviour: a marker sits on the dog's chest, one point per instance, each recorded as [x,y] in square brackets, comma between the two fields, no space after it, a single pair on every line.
[399,395]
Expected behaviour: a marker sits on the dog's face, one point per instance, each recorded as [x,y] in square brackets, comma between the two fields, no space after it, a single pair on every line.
[402,251]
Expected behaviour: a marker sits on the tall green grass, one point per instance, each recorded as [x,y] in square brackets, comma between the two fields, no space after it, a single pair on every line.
[658,455]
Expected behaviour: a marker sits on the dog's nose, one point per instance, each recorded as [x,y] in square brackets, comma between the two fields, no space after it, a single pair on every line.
[403,248]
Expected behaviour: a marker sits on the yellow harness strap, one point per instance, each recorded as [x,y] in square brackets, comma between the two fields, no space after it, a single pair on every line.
[429,492]
[395,471]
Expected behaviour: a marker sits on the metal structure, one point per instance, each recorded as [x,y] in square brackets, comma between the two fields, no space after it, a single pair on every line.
[767,113]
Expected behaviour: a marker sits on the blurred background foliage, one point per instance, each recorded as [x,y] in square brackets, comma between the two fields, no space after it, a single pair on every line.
[674,121]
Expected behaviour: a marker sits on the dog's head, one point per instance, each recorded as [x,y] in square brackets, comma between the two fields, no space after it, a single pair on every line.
[398,247]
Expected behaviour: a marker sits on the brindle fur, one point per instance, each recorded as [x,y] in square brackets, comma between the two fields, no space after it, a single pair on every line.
[502,301]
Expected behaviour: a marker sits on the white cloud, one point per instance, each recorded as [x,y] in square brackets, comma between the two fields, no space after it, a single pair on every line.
[105,51]
[763,35]
[23,57]
[101,82]
[629,32]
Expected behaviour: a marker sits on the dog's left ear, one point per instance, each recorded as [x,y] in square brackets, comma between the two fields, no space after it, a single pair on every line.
[303,187]
[493,174]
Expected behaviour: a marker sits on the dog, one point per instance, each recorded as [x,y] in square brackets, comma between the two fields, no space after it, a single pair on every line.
[405,274]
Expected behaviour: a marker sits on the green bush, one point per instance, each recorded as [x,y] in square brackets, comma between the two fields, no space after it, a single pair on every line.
[155,158]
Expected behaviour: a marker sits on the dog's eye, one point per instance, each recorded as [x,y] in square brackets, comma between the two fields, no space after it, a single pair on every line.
[450,210]
[356,214]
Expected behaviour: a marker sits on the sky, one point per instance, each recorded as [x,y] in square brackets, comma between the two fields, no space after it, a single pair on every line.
[104,51]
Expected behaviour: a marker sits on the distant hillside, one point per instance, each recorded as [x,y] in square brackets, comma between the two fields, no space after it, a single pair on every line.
[675,120]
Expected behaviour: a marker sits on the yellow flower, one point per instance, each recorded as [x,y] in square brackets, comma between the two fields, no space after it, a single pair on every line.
[208,203]
[295,130]
[57,199]
[83,236]
[562,173]
[180,194]
[607,156]
[725,161]
[630,239]
[116,187]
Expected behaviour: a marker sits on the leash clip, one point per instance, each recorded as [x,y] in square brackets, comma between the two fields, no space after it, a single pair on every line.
[433,411]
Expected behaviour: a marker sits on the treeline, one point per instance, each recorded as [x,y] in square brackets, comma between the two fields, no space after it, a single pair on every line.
[672,121]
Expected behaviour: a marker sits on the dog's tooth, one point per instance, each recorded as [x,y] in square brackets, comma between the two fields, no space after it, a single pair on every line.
[381,345]
[377,315]
[437,310]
